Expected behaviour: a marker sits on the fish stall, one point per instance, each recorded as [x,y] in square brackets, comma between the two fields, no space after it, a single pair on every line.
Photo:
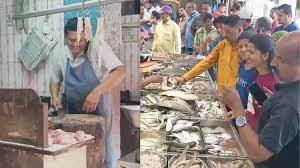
[184,127]
[58,141]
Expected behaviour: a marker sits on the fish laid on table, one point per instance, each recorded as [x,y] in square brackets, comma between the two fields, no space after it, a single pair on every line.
[208,109]
[202,87]
[184,161]
[179,94]
[153,86]
[186,137]
[176,104]
[153,144]
[168,83]
[151,121]
[171,121]
[208,130]
[228,164]
[150,161]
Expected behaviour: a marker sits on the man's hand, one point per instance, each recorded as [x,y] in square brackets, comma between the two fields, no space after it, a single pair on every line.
[56,103]
[180,81]
[268,92]
[231,98]
[91,101]
[229,116]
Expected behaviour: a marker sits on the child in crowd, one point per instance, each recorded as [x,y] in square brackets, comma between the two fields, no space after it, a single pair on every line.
[245,76]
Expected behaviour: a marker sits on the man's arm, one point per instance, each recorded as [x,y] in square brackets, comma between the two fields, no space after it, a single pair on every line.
[279,130]
[113,80]
[204,65]
[54,86]
[257,152]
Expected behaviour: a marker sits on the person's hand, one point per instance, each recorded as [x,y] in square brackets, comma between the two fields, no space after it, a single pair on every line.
[268,92]
[180,81]
[229,116]
[91,102]
[230,97]
[56,103]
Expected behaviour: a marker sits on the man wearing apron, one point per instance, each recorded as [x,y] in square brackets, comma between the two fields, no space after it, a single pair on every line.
[79,68]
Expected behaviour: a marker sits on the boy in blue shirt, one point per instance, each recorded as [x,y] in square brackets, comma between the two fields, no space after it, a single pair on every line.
[245,77]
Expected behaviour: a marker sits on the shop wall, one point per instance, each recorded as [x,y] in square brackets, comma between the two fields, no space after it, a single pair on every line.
[12,73]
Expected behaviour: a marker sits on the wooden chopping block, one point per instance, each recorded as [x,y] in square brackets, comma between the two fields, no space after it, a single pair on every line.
[90,124]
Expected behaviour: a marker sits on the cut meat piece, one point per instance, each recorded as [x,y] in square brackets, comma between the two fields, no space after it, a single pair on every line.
[61,137]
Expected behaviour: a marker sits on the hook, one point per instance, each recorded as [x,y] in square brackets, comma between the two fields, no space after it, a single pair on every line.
[83,8]
[101,9]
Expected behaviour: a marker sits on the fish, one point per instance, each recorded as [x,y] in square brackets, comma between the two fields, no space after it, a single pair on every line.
[180,94]
[176,104]
[207,130]
[229,164]
[186,137]
[151,121]
[208,109]
[185,161]
[180,127]
[170,122]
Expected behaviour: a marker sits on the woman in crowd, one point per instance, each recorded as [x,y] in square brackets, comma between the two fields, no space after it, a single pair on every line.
[263,25]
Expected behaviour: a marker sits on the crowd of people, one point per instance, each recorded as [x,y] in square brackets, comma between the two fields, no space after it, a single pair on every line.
[266,54]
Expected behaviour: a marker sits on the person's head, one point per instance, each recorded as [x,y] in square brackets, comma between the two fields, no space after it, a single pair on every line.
[153,3]
[231,10]
[232,26]
[279,34]
[205,8]
[243,44]
[70,31]
[218,23]
[263,25]
[236,7]
[190,7]
[286,64]
[246,16]
[260,52]
[181,12]
[222,8]
[284,14]
[208,21]
[155,15]
[273,14]
[142,9]
[165,13]
[241,3]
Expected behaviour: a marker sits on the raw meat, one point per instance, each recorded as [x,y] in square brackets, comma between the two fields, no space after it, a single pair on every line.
[61,137]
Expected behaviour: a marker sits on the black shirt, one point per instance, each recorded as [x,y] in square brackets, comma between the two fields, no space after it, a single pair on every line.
[278,127]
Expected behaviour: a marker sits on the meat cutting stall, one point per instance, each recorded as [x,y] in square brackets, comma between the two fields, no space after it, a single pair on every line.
[27,142]
[184,126]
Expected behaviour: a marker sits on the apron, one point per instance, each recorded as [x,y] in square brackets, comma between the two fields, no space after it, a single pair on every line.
[79,82]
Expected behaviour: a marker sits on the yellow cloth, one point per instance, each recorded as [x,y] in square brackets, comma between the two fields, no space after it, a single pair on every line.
[226,56]
[167,38]
[201,34]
